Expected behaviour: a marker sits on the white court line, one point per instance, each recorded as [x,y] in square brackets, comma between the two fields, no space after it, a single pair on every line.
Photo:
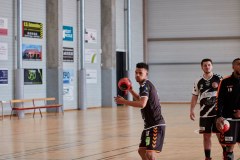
[196,131]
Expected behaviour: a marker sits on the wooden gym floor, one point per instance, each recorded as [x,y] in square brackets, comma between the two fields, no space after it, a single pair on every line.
[100,134]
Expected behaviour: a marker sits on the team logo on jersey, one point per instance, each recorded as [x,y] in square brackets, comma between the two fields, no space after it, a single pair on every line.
[229,88]
[214,84]
[147,133]
[207,83]
[228,138]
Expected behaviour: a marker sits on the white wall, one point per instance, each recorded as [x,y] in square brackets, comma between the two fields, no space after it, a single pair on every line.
[6,11]
[70,19]
[181,34]
[93,21]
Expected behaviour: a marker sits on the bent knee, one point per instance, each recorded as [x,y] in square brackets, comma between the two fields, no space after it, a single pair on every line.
[151,155]
[142,151]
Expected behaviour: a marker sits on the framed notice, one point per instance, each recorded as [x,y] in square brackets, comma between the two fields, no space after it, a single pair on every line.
[32,29]
[3,51]
[32,76]
[91,36]
[91,76]
[32,52]
[68,93]
[68,54]
[68,76]
[90,55]
[3,76]
[3,26]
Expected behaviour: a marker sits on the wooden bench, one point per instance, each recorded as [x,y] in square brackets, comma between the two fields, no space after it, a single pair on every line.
[33,104]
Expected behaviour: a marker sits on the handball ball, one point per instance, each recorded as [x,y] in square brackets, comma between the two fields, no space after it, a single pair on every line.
[226,126]
[124,84]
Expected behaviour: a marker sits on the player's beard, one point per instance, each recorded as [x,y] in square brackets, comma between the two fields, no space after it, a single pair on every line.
[140,80]
[137,79]
[207,72]
[238,73]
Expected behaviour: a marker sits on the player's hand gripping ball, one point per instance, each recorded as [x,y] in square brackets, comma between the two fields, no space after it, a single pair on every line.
[124,84]
[226,126]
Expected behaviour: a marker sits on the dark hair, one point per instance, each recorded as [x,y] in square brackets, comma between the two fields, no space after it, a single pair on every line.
[234,61]
[142,65]
[206,60]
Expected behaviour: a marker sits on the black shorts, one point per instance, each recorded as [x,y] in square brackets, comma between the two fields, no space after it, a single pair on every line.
[153,138]
[232,136]
[207,125]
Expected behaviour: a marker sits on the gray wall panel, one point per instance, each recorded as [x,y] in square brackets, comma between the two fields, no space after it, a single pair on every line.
[70,19]
[6,11]
[120,37]
[136,34]
[193,51]
[175,82]
[92,21]
[193,18]
[186,19]
[35,13]
[137,37]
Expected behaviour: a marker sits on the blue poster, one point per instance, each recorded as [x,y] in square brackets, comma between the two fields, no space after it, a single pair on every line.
[67,33]
[3,76]
[68,76]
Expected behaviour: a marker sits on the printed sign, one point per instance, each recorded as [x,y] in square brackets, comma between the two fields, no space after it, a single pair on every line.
[32,76]
[3,26]
[90,55]
[32,52]
[67,33]
[90,36]
[32,29]
[91,76]
[68,93]
[3,76]
[68,54]
[68,76]
[3,51]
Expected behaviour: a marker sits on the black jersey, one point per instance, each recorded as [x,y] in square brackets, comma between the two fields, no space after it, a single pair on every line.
[151,113]
[228,97]
[207,92]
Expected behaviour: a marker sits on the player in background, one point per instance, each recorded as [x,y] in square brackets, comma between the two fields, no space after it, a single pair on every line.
[154,125]
[228,107]
[205,88]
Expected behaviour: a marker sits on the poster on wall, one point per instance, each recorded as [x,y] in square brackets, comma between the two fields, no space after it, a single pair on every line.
[67,33]
[90,55]
[32,29]
[91,76]
[68,54]
[3,76]
[68,93]
[3,51]
[32,76]
[31,52]
[91,36]
[68,76]
[3,26]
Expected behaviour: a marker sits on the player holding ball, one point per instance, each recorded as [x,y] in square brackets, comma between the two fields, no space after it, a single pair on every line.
[154,125]
[228,108]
